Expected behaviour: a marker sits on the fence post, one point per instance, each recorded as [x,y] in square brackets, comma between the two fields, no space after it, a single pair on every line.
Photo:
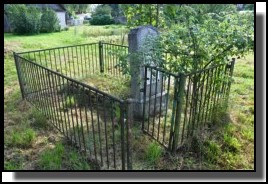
[180,98]
[19,75]
[122,124]
[129,105]
[101,56]
[231,75]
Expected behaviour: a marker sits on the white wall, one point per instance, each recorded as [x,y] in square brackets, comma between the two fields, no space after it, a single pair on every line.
[61,17]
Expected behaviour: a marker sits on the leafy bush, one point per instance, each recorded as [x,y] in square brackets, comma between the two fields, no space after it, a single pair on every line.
[85,21]
[65,29]
[49,21]
[101,20]
[102,16]
[24,20]
[249,7]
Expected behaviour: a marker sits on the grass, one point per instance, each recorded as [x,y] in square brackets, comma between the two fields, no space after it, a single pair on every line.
[30,143]
[58,158]
[231,145]
[153,153]
[119,88]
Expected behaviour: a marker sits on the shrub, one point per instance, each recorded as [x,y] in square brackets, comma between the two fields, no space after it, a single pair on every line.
[101,20]
[23,19]
[49,21]
[65,29]
[85,21]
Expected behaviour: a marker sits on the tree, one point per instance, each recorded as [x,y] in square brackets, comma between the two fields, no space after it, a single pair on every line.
[102,10]
[102,15]
[141,14]
[116,10]
[24,19]
[49,21]
[198,36]
[77,8]
[249,7]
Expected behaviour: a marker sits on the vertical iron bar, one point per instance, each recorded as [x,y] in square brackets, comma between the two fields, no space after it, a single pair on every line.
[101,56]
[173,117]
[155,91]
[168,87]
[122,135]
[80,114]
[144,96]
[92,124]
[113,129]
[76,115]
[81,62]
[150,93]
[78,72]
[98,117]
[105,130]
[160,110]
[129,121]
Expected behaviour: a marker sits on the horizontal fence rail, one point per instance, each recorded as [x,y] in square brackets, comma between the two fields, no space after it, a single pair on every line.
[80,61]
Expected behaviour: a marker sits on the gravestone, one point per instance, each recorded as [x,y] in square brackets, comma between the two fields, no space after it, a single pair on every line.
[136,40]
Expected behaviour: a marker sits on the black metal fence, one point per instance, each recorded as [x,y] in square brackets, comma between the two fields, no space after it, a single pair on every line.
[79,61]
[187,102]
[94,121]
[98,123]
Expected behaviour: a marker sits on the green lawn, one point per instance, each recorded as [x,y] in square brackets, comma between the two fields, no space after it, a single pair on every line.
[30,143]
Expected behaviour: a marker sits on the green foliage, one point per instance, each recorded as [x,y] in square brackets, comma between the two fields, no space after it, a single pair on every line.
[195,36]
[69,102]
[22,139]
[65,28]
[249,7]
[16,164]
[30,20]
[102,16]
[211,151]
[85,21]
[101,20]
[58,158]
[76,162]
[49,21]
[153,153]
[77,8]
[231,143]
[102,10]
[141,14]
[116,10]
[52,159]
[199,41]
[39,120]
[23,19]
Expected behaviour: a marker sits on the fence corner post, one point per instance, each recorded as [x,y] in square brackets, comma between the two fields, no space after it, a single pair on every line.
[19,75]
[129,104]
[180,96]
[101,56]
